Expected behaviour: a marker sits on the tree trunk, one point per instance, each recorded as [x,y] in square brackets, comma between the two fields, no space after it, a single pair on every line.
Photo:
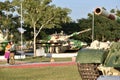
[34,41]
[103,38]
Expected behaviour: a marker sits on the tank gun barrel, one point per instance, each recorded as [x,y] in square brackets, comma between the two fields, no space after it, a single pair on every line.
[103,12]
[76,33]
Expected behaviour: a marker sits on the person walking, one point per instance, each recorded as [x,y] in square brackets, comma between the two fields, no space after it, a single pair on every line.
[7,52]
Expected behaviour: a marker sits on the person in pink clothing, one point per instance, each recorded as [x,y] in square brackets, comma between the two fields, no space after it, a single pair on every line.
[7,52]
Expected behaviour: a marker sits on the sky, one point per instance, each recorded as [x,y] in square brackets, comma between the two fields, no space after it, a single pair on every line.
[81,8]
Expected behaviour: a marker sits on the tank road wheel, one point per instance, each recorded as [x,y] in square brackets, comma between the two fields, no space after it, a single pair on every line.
[88,71]
[57,49]
[12,59]
[52,49]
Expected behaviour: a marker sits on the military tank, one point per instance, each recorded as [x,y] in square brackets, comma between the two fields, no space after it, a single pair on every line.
[3,42]
[59,43]
[95,63]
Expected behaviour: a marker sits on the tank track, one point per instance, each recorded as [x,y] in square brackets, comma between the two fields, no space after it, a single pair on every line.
[88,71]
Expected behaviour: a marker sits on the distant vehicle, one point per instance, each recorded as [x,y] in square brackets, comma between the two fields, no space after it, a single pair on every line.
[3,42]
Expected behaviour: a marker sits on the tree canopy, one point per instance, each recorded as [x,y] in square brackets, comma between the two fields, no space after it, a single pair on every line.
[104,29]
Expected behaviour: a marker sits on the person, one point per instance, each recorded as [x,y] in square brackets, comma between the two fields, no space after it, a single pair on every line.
[7,51]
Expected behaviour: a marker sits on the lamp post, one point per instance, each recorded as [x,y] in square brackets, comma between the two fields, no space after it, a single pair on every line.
[93,26]
[11,37]
[21,27]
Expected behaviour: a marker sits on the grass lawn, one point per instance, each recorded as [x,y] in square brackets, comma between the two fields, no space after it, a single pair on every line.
[42,73]
[43,59]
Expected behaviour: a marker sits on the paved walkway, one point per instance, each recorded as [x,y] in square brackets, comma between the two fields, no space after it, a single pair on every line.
[33,65]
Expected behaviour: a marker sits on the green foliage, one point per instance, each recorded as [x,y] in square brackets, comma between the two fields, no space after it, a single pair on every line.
[70,28]
[104,29]
[40,12]
[85,24]
[8,22]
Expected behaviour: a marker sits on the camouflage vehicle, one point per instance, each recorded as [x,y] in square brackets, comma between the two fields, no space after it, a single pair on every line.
[59,43]
[3,42]
[99,63]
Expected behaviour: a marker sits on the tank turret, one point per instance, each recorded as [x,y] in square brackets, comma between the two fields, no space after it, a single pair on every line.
[103,12]
[62,36]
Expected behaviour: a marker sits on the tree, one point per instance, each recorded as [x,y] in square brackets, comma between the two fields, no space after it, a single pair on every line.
[85,24]
[40,14]
[7,20]
[104,29]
